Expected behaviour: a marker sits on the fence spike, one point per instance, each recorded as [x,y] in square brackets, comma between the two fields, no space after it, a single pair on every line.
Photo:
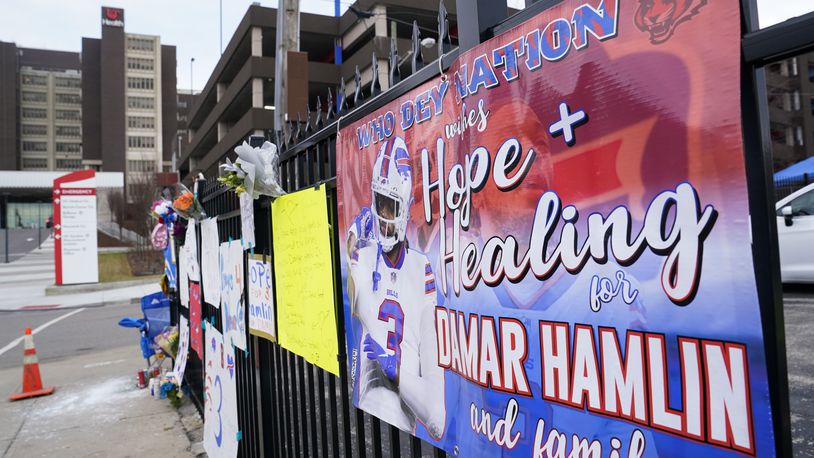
[395,75]
[375,86]
[343,98]
[443,28]
[357,95]
[308,127]
[318,120]
[291,134]
[418,59]
[330,115]
[299,127]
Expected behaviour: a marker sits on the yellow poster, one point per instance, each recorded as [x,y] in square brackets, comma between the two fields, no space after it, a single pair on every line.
[304,277]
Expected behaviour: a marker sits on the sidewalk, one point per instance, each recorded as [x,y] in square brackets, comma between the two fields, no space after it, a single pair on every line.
[96,410]
[23,283]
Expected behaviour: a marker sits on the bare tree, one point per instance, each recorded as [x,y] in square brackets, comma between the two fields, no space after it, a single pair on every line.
[132,211]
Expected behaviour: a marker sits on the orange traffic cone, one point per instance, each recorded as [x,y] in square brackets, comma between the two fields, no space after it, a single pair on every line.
[32,383]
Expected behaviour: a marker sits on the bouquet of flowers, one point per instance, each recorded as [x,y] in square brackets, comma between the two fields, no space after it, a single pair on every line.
[185,203]
[254,172]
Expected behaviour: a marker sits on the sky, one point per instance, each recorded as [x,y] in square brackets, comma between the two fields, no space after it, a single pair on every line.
[193,25]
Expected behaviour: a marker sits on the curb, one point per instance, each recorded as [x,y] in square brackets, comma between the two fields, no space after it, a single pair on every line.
[94,287]
[131,301]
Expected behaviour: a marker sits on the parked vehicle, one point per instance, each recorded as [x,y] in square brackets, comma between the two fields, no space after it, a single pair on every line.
[795,236]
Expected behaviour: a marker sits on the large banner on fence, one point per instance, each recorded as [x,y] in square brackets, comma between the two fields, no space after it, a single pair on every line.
[548,251]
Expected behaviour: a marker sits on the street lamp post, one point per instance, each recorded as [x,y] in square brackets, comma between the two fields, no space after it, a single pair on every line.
[5,209]
[39,225]
[191,61]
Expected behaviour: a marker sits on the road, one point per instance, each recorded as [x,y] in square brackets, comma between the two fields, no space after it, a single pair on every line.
[92,329]
[799,318]
[21,241]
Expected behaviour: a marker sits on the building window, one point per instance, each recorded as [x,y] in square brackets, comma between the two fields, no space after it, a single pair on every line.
[140,166]
[30,96]
[71,83]
[73,99]
[35,113]
[35,146]
[140,63]
[811,72]
[68,147]
[139,83]
[34,129]
[68,131]
[140,122]
[796,100]
[68,164]
[68,115]
[140,44]
[35,163]
[778,133]
[142,142]
[793,66]
[182,104]
[35,80]
[141,103]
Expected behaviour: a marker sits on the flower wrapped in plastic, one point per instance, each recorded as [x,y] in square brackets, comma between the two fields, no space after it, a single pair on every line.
[185,203]
[255,171]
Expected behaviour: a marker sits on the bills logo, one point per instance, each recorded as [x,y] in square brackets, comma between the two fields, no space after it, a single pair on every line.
[660,18]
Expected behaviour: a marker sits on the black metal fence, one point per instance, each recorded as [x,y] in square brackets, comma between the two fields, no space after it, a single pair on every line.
[286,405]
[786,186]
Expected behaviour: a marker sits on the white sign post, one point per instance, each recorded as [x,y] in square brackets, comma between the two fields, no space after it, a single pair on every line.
[75,253]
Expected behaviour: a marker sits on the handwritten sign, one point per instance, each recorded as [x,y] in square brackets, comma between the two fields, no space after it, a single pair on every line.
[303,270]
[220,397]
[195,340]
[183,277]
[191,243]
[183,349]
[247,219]
[261,304]
[231,294]
[210,270]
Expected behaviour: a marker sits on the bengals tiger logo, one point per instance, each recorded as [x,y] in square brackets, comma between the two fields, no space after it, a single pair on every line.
[660,18]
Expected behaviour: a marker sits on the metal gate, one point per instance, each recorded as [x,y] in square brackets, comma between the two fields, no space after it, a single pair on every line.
[289,407]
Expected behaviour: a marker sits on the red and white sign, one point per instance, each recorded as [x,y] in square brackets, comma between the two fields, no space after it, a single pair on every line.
[75,255]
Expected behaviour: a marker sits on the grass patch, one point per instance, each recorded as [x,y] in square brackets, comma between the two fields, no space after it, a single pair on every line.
[116,267]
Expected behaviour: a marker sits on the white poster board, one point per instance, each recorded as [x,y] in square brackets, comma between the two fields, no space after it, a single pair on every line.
[262,321]
[220,397]
[247,220]
[191,242]
[232,308]
[75,246]
[210,269]
[183,349]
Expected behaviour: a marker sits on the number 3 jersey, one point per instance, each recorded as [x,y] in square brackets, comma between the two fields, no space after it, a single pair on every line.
[395,304]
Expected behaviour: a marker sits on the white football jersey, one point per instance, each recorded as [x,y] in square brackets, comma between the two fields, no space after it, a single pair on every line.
[399,314]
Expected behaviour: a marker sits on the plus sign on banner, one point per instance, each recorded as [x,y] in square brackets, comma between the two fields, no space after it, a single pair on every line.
[75,248]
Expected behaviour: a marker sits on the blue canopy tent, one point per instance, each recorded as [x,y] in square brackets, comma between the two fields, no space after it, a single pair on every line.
[797,172]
